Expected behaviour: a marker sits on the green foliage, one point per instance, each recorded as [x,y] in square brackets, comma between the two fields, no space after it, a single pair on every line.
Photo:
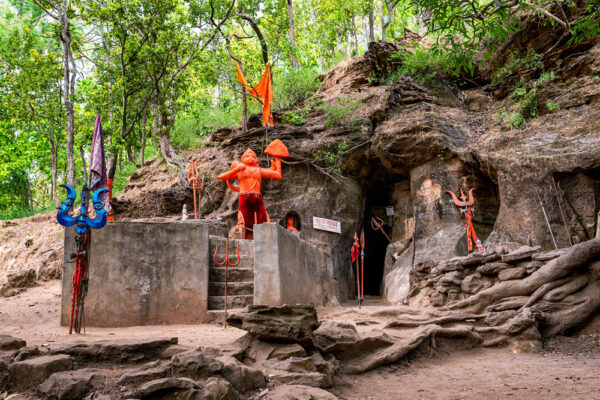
[425,65]
[516,62]
[331,160]
[296,117]
[340,112]
[552,106]
[294,86]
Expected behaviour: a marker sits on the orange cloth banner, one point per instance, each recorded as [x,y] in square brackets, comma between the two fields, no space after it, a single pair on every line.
[263,90]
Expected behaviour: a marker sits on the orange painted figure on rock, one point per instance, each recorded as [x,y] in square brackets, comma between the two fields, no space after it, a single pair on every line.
[250,175]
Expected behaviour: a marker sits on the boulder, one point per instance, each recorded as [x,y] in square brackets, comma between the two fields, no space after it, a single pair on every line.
[298,392]
[454,277]
[445,287]
[242,377]
[10,343]
[163,386]
[475,258]
[332,332]
[512,273]
[530,266]
[288,324]
[519,254]
[471,284]
[116,350]
[195,362]
[24,353]
[218,389]
[147,372]
[36,370]
[73,385]
[287,351]
[170,351]
[492,268]
[437,299]
[345,345]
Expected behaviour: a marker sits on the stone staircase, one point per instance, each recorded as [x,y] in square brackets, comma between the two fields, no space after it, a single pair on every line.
[240,279]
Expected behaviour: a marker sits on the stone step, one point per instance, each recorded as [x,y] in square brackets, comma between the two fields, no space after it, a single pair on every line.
[234,274]
[233,288]
[217,316]
[239,301]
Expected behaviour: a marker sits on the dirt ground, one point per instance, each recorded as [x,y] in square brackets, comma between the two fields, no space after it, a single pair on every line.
[556,373]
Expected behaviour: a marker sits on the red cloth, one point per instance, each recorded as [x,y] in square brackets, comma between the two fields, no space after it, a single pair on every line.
[354,252]
[263,89]
[251,203]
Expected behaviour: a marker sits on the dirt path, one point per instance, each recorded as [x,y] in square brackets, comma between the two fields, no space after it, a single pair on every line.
[480,374]
[34,316]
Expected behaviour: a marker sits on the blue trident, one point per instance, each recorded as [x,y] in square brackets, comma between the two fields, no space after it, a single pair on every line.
[82,221]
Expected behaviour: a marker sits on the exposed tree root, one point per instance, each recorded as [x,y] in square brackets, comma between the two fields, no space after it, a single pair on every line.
[578,256]
[425,335]
[448,319]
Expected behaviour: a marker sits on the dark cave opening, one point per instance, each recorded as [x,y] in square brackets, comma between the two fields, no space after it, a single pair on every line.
[378,206]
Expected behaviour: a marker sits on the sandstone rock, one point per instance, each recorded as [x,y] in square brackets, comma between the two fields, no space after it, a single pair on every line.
[471,284]
[73,385]
[170,351]
[506,247]
[445,288]
[164,386]
[24,353]
[490,257]
[512,273]
[548,255]
[195,361]
[492,268]
[344,343]
[147,372]
[298,392]
[292,324]
[10,343]
[116,350]
[443,268]
[288,350]
[332,332]
[36,370]
[327,365]
[453,295]
[454,277]
[242,377]
[218,389]
[437,299]
[474,258]
[521,253]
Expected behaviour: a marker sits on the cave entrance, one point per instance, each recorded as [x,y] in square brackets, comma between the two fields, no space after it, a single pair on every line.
[379,205]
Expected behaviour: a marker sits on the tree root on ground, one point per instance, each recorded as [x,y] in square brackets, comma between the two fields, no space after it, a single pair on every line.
[427,336]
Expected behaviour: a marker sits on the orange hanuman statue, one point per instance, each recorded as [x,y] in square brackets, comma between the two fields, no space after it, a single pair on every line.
[250,175]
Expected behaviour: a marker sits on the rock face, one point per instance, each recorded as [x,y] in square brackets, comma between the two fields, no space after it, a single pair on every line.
[10,343]
[73,385]
[292,324]
[298,392]
[403,145]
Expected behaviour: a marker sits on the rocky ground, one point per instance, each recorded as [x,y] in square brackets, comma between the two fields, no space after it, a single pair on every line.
[210,362]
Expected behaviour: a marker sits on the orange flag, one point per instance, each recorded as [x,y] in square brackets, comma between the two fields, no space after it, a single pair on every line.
[263,89]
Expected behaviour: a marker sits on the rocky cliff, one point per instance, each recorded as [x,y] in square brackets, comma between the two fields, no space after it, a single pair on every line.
[365,143]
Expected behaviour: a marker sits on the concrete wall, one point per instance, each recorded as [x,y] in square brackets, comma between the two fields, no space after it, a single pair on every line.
[287,270]
[143,273]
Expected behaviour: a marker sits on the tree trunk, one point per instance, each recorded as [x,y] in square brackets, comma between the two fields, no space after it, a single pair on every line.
[355,36]
[29,195]
[371,25]
[84,165]
[385,23]
[65,38]
[130,155]
[53,153]
[293,59]
[144,120]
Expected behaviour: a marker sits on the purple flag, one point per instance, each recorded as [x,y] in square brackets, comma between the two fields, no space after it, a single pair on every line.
[99,179]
